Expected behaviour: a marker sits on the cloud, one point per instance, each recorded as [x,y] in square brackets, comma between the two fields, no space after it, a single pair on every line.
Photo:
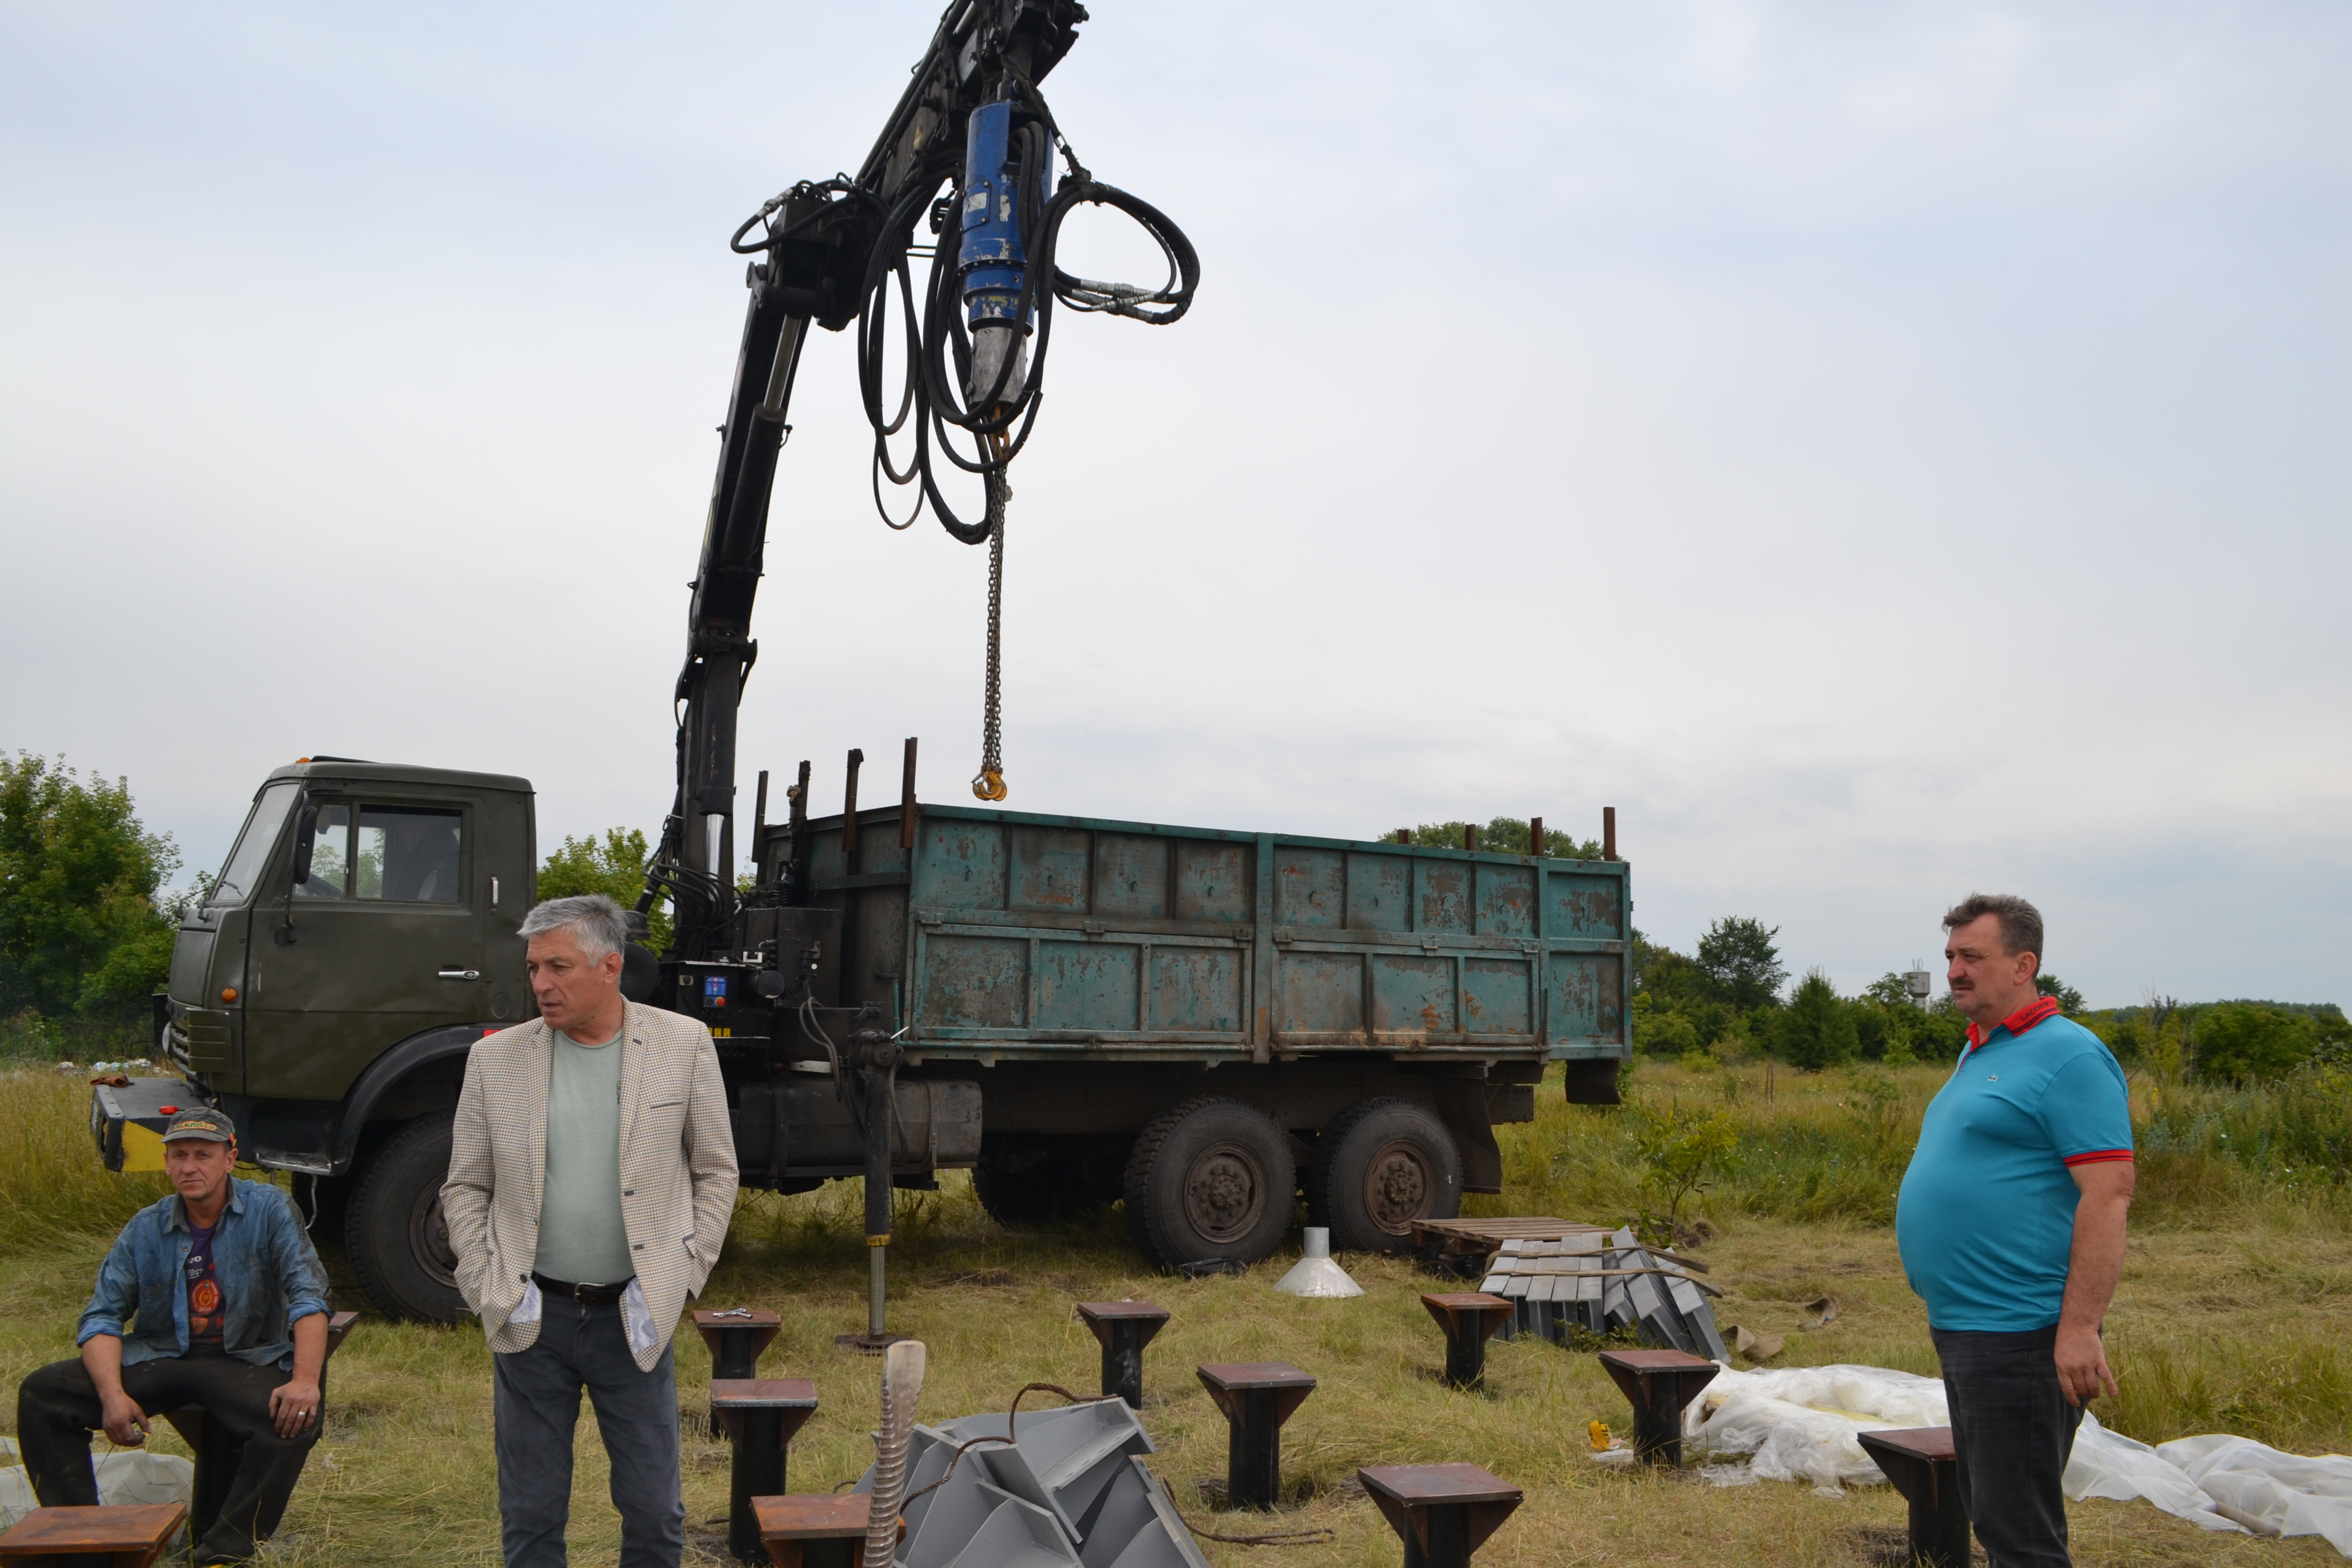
[1883,450]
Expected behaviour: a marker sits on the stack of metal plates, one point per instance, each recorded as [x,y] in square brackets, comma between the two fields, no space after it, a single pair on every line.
[1600,1282]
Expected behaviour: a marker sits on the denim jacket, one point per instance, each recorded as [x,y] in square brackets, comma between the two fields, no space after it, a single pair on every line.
[269,1272]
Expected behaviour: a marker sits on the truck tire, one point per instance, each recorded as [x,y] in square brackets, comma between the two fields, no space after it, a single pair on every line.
[394,1236]
[1381,1165]
[1212,1178]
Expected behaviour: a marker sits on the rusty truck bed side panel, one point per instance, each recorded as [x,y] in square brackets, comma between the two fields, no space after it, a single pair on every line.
[1009,935]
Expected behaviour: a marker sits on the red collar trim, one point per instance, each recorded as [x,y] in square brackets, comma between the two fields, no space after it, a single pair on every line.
[2016,1023]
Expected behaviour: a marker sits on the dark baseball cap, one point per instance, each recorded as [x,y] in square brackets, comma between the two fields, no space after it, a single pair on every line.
[200,1122]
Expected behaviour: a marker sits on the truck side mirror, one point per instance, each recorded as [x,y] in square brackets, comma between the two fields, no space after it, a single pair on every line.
[306,828]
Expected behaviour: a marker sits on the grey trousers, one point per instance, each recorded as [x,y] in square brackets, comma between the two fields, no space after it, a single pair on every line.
[2012,1432]
[537,1408]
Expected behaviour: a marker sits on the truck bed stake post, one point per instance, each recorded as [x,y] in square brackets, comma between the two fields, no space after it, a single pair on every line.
[797,819]
[1469,837]
[1535,833]
[759,815]
[849,812]
[1405,835]
[1609,833]
[906,800]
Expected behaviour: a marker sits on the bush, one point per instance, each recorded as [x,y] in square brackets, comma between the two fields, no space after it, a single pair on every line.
[2239,1042]
[1662,1031]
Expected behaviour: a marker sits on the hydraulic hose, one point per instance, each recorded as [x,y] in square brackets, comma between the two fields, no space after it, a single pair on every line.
[939,348]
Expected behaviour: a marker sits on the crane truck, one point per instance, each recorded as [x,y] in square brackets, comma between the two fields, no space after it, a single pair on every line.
[1203,1024]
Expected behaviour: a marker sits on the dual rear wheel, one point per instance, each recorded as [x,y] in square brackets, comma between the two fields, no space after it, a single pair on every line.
[1214,1177]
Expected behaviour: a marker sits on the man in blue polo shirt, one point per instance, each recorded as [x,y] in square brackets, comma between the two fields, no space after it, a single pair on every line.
[2011,1227]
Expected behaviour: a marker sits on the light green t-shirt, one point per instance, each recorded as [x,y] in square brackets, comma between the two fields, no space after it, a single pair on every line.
[581,1236]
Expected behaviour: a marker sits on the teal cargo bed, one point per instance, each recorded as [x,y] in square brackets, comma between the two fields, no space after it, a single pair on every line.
[1003,935]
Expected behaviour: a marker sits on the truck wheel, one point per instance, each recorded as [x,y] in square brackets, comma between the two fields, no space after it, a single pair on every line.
[1212,1178]
[1381,1165]
[394,1236]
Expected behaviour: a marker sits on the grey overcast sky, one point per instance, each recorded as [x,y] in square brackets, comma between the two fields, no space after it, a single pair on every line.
[1884,450]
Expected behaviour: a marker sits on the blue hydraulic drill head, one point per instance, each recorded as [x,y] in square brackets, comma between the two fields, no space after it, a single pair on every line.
[991,257]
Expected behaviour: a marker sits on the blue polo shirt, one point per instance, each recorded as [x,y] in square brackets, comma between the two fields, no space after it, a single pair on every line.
[1986,1218]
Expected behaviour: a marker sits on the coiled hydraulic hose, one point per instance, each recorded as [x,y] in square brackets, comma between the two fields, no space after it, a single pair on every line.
[932,394]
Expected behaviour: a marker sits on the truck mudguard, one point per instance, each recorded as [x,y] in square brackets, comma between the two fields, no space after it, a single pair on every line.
[386,1071]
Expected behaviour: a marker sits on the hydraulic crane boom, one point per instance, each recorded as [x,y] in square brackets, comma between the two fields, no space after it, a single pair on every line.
[972,124]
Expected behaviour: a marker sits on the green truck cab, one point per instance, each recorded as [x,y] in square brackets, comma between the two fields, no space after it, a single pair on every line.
[360,937]
[1205,1025]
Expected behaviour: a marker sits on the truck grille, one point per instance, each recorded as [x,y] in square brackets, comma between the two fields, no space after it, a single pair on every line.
[207,1034]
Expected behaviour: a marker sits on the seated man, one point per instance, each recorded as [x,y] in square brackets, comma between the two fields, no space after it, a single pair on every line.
[231,1309]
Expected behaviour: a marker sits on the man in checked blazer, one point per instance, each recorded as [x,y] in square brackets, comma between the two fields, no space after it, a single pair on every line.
[591,1179]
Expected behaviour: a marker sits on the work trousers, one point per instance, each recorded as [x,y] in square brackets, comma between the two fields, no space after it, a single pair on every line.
[2012,1430]
[57,1409]
[537,1408]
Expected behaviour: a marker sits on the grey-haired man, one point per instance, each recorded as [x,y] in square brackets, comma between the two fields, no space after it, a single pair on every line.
[592,1175]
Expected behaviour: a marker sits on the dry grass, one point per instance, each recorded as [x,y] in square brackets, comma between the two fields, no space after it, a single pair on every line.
[2232,1315]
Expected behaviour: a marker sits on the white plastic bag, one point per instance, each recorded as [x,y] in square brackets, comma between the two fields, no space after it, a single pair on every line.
[1801,1423]
[125,1476]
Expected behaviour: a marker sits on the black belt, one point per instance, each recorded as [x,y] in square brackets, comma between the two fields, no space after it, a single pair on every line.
[586,1295]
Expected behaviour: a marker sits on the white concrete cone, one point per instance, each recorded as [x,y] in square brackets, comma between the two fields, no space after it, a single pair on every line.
[1315,1274]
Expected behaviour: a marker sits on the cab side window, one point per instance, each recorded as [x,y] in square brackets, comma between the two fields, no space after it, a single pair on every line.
[408,853]
[330,856]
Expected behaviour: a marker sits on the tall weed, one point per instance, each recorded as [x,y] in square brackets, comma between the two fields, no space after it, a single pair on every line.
[52,1184]
[1834,1145]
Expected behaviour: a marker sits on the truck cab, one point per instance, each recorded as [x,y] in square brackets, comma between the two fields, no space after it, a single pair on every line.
[325,989]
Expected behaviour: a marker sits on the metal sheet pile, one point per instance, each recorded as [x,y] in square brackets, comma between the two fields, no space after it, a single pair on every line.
[1598,1283]
[1057,1487]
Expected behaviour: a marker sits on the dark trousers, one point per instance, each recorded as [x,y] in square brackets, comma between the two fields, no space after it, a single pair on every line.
[57,1409]
[2012,1430]
[538,1407]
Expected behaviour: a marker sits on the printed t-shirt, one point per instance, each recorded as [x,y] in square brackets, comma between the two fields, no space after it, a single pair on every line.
[205,1318]
[1986,1218]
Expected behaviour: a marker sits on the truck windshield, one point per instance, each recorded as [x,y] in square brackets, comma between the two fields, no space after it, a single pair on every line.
[237,878]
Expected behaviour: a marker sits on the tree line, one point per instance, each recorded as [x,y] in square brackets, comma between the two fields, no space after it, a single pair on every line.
[1724,1000]
[87,915]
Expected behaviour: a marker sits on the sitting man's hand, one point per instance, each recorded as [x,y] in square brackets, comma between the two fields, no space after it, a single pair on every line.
[126,1424]
[294,1405]
[2082,1371]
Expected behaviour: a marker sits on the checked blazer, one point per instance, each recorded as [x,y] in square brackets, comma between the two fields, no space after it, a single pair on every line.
[677,1168]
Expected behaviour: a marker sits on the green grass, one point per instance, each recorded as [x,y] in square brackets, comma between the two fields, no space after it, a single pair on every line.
[2236,1300]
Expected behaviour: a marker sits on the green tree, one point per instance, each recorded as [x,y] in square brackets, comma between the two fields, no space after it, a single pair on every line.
[1506,835]
[1890,990]
[2070,1000]
[1667,975]
[1817,1028]
[1742,964]
[615,868]
[83,930]
[2241,1041]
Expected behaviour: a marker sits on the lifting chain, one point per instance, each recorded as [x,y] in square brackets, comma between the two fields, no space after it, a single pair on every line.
[989,782]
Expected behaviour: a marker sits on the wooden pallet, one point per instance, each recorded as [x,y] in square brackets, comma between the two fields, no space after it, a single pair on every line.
[1436,1239]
